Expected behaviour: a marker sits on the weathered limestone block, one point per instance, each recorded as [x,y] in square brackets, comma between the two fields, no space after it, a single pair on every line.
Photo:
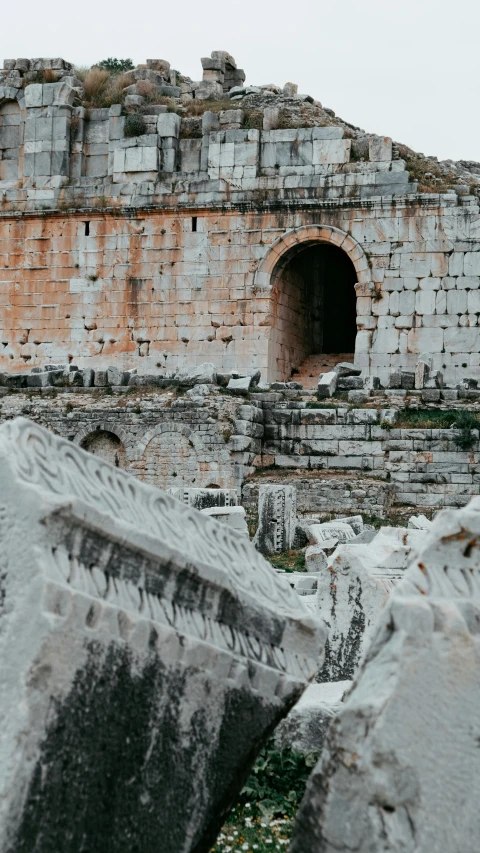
[352,593]
[344,368]
[305,727]
[168,125]
[315,558]
[354,521]
[204,498]
[380,148]
[271,118]
[419,522]
[199,375]
[146,653]
[116,376]
[327,384]
[401,766]
[277,507]
[241,385]
[340,531]
[232,516]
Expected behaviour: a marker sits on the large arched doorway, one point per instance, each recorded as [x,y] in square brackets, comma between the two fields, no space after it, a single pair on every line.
[315,305]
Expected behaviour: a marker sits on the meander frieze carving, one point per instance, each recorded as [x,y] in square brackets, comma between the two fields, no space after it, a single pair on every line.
[57,466]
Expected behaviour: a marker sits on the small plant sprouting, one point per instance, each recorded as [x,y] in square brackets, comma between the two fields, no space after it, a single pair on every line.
[116,66]
[134,125]
[466,422]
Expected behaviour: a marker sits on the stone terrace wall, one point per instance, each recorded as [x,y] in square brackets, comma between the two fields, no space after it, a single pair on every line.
[324,494]
[339,460]
[425,466]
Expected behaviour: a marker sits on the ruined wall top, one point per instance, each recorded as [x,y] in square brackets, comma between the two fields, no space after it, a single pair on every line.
[71,138]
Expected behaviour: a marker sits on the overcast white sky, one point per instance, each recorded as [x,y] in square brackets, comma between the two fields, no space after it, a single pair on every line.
[409,70]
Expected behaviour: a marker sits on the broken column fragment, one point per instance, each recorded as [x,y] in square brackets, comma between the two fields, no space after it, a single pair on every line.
[277,509]
[401,766]
[146,653]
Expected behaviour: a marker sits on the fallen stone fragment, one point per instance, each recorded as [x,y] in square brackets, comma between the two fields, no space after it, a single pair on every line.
[339,530]
[241,385]
[146,653]
[315,558]
[276,519]
[354,521]
[116,376]
[306,725]
[400,770]
[367,535]
[204,498]
[327,384]
[352,593]
[199,375]
[344,368]
[419,522]
[232,516]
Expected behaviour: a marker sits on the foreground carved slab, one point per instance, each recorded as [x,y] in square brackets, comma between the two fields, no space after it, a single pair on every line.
[146,653]
[401,770]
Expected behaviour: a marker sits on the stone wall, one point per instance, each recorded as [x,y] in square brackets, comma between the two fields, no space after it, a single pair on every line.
[163,443]
[162,250]
[324,494]
[425,467]
[339,459]
[147,290]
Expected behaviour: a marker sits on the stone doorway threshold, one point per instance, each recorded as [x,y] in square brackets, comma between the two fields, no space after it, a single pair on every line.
[314,365]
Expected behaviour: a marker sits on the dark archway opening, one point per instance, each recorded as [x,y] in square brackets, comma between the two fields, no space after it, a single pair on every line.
[316,309]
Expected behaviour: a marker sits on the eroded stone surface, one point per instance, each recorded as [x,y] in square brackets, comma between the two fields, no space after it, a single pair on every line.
[305,727]
[401,769]
[353,591]
[276,519]
[146,652]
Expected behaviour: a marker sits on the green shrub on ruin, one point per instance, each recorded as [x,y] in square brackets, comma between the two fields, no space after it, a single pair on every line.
[116,66]
[134,125]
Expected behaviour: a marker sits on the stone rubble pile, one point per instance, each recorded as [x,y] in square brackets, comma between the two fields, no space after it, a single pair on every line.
[400,769]
[64,376]
[350,571]
[344,377]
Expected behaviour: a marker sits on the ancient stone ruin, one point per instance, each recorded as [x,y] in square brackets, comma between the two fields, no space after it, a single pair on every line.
[160,651]
[405,742]
[245,334]
[161,234]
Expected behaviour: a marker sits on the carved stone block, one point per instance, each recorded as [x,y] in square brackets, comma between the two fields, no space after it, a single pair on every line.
[146,653]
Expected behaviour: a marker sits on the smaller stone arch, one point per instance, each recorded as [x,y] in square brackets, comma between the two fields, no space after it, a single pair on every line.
[105,442]
[169,455]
